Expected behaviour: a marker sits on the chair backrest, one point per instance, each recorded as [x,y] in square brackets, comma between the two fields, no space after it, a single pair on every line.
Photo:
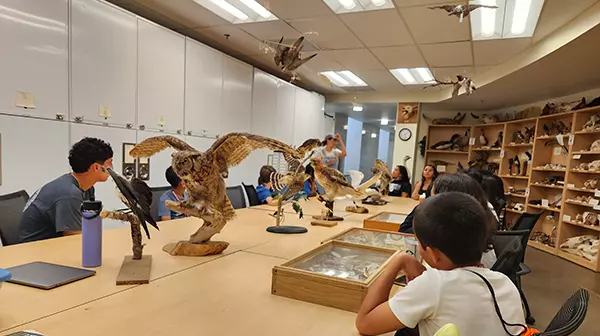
[252,195]
[527,221]
[156,194]
[570,316]
[523,234]
[355,177]
[236,196]
[509,250]
[11,211]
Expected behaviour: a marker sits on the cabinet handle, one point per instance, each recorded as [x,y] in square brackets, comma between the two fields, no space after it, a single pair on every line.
[78,119]
[129,126]
[142,127]
[189,132]
[179,131]
[60,116]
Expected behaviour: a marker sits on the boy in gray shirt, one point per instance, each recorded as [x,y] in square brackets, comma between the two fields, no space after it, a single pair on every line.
[55,209]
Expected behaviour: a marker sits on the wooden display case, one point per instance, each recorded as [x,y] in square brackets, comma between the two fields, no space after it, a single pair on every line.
[394,241]
[335,274]
[385,221]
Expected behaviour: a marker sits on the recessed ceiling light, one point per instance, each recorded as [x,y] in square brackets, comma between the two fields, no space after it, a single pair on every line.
[351,6]
[512,19]
[345,127]
[363,132]
[343,78]
[357,108]
[413,76]
[384,122]
[238,11]
[373,135]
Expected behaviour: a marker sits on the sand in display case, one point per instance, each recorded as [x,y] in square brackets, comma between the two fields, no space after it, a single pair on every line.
[336,274]
[386,221]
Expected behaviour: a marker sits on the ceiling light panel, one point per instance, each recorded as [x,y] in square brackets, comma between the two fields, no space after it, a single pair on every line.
[351,6]
[413,76]
[344,78]
[512,19]
[238,11]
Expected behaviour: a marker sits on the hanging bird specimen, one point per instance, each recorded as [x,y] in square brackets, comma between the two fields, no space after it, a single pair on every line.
[202,173]
[461,11]
[287,57]
[463,82]
[137,196]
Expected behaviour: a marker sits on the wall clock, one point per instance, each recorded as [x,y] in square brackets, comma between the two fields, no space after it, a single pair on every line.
[405,134]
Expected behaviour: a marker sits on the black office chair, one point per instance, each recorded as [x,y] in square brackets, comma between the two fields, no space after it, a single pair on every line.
[570,316]
[252,195]
[523,237]
[11,211]
[156,194]
[236,196]
[508,250]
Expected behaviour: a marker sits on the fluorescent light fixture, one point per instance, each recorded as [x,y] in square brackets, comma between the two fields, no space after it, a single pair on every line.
[257,8]
[384,121]
[344,78]
[353,6]
[230,9]
[414,76]
[357,108]
[345,127]
[363,132]
[512,19]
[373,135]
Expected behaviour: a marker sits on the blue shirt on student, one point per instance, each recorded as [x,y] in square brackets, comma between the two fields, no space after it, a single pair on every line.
[263,193]
[162,208]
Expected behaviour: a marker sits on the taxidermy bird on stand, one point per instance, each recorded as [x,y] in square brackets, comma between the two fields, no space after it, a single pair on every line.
[498,142]
[461,11]
[483,141]
[202,173]
[386,177]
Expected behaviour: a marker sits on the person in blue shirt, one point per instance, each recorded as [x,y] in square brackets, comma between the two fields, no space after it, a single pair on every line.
[310,185]
[264,190]
[176,193]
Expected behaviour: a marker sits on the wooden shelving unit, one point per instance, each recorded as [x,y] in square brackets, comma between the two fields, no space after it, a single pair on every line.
[438,133]
[543,151]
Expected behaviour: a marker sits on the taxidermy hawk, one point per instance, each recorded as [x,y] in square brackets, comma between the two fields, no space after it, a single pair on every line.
[461,11]
[287,58]
[137,196]
[386,177]
[203,174]
[336,185]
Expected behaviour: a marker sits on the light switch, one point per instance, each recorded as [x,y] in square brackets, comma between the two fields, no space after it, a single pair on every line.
[25,99]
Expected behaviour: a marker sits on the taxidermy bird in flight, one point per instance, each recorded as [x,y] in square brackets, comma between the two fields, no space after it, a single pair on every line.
[202,173]
[461,11]
[287,57]
[461,82]
[137,196]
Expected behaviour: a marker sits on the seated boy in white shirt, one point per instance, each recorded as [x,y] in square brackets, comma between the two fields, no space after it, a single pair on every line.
[452,236]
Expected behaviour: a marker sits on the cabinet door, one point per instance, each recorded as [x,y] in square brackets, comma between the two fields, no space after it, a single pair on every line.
[308,120]
[199,143]
[34,63]
[264,104]
[161,57]
[203,89]
[286,98]
[33,152]
[104,63]
[159,162]
[237,96]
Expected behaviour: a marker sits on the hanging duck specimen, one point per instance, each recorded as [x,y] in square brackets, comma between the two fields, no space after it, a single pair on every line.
[461,11]
[287,57]
[463,82]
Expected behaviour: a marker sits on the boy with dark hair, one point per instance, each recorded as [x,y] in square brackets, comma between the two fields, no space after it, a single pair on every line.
[176,194]
[452,233]
[55,209]
[264,190]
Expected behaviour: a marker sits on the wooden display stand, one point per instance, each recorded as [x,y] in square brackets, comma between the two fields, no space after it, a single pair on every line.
[185,248]
[377,221]
[330,217]
[135,272]
[336,292]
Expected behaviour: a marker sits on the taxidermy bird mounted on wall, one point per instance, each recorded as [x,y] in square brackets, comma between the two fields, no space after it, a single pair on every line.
[287,57]
[461,11]
[202,173]
[137,196]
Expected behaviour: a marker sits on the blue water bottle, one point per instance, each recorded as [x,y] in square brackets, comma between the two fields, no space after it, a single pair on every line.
[91,235]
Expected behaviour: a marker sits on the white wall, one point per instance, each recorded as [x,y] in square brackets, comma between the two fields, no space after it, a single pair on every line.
[129,79]
[354,142]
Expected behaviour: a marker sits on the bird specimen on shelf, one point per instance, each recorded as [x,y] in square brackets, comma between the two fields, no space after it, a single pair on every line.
[462,141]
[137,197]
[386,177]
[202,173]
[518,135]
[444,144]
[498,142]
[529,134]
[287,57]
[457,120]
[517,164]
[461,11]
[483,141]
[463,82]
[486,118]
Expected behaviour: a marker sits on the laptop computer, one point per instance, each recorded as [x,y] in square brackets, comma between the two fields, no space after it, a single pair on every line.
[44,275]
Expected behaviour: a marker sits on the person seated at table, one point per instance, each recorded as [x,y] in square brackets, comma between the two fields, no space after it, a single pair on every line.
[493,190]
[54,210]
[310,185]
[423,187]
[176,194]
[452,230]
[400,185]
[264,190]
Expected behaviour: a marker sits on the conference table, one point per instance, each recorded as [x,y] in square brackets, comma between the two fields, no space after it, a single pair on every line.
[225,294]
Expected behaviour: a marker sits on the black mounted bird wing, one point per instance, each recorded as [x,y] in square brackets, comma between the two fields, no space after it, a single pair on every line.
[447,8]
[137,196]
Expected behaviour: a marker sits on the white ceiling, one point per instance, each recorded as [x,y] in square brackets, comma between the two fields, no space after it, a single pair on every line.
[367,43]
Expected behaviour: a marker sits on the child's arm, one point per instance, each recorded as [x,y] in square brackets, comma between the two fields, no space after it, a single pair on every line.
[375,315]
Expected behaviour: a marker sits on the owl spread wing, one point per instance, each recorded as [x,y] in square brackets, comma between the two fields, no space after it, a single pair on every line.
[295,162]
[231,149]
[155,144]
[137,196]
[447,8]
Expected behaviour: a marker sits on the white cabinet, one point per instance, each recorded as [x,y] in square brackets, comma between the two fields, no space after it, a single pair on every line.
[160,80]
[308,119]
[34,152]
[237,96]
[264,104]
[203,89]
[103,63]
[33,61]
[284,121]
[158,162]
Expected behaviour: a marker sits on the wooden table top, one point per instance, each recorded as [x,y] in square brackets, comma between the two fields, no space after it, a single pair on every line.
[184,292]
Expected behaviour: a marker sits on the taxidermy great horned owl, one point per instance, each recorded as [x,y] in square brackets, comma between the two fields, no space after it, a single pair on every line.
[202,173]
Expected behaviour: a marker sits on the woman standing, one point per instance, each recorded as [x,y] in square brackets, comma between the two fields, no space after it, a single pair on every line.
[424,186]
[400,185]
[329,154]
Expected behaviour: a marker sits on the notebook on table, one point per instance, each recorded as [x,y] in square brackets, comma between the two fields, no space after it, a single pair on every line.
[44,275]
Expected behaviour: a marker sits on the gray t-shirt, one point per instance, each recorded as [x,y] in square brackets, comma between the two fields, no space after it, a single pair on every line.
[53,209]
[330,159]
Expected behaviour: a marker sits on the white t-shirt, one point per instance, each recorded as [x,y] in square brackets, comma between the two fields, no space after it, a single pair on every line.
[330,159]
[437,298]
